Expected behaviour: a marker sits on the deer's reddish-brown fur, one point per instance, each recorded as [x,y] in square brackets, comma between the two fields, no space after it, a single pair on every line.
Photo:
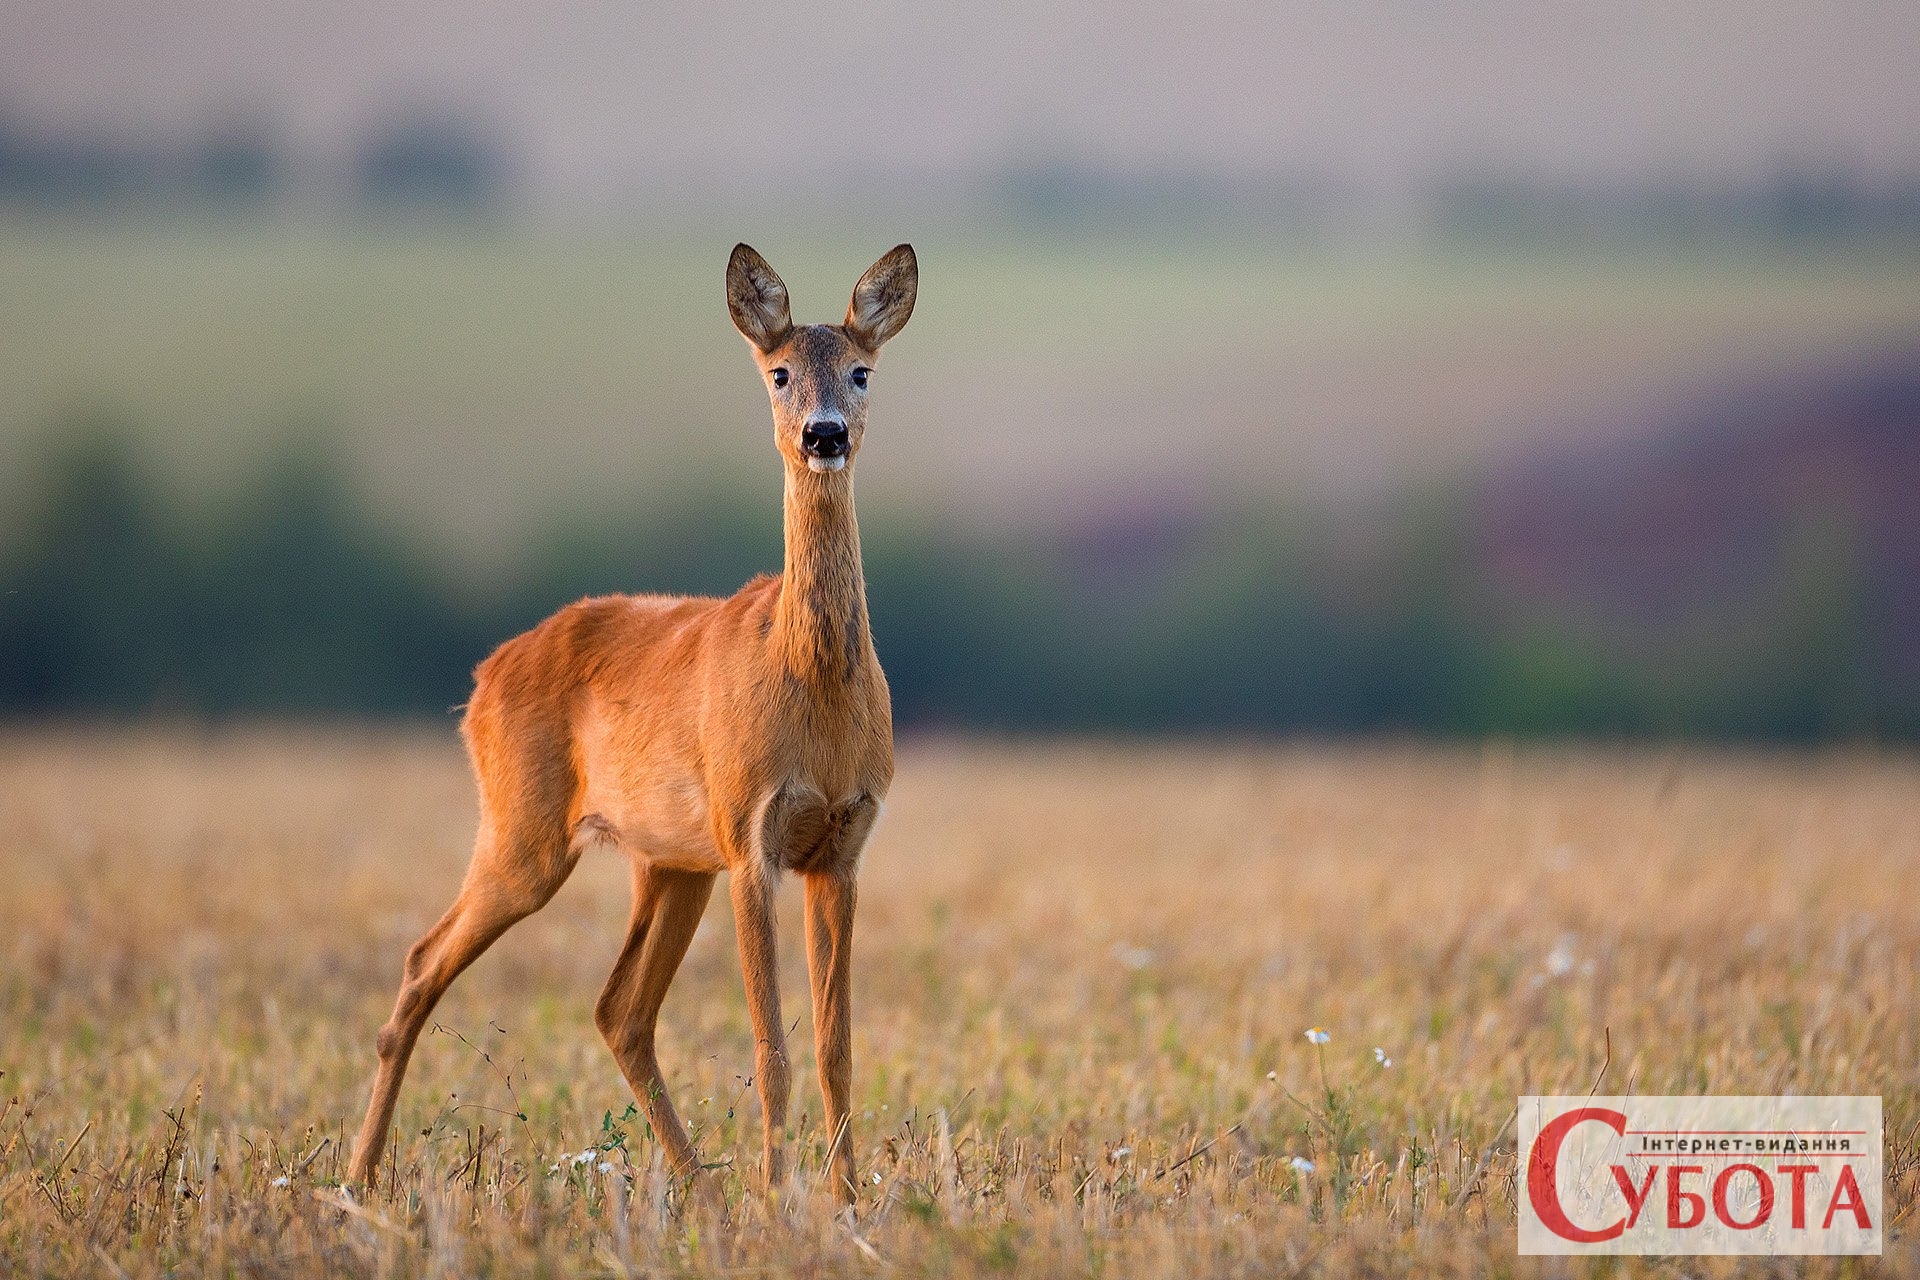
[751,735]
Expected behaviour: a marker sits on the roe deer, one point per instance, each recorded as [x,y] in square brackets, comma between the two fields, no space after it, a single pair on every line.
[752,735]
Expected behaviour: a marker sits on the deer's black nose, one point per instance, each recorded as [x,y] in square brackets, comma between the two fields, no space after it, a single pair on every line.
[824,438]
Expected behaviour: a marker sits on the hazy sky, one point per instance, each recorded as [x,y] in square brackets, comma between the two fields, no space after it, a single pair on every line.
[606,101]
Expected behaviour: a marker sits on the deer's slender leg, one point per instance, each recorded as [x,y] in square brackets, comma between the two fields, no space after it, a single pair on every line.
[753,922]
[507,881]
[830,904]
[667,906]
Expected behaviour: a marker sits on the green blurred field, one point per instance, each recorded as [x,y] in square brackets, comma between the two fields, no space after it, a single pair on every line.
[1083,978]
[481,383]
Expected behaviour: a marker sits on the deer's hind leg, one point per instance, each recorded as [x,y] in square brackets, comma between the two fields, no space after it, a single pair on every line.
[667,906]
[514,873]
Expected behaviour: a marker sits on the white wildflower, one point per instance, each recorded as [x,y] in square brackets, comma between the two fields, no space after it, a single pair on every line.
[283,1181]
[1301,1164]
[1380,1056]
[1318,1035]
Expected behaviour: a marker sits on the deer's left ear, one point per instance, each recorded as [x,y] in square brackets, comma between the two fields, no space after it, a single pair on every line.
[883,300]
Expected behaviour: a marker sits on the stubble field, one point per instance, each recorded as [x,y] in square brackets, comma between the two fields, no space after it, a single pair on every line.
[1083,978]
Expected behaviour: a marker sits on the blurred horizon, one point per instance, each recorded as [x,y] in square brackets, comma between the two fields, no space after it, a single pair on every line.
[1277,367]
[580,110]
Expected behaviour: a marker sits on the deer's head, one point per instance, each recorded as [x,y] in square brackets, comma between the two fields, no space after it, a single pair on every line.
[817,374]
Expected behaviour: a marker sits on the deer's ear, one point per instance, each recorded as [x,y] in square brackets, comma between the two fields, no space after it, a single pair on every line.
[757,299]
[883,299]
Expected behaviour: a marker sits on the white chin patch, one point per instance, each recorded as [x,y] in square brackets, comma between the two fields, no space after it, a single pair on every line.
[827,464]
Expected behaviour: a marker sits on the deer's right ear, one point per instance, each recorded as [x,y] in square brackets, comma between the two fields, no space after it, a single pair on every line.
[757,299]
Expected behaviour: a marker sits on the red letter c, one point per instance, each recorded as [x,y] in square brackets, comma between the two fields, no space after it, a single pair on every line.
[1543,1168]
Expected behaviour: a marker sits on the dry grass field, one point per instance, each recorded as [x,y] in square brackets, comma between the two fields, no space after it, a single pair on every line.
[1083,979]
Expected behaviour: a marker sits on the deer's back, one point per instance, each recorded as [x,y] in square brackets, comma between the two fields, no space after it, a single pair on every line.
[635,717]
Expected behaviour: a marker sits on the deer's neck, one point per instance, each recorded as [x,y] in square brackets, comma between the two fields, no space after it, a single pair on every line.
[820,623]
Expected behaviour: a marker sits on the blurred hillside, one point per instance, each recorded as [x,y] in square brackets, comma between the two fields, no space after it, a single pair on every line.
[478,386]
[1746,570]
[1195,482]
[1755,563]
[1277,366]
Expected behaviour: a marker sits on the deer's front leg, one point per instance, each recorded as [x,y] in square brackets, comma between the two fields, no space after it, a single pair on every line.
[830,903]
[753,923]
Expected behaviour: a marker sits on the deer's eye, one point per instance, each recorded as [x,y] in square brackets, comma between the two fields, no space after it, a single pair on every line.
[860,378]
[779,377]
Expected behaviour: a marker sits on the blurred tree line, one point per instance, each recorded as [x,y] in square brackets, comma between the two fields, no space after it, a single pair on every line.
[411,162]
[440,163]
[291,599]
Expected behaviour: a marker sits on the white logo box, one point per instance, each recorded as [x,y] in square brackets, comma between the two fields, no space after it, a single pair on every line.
[1699,1175]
